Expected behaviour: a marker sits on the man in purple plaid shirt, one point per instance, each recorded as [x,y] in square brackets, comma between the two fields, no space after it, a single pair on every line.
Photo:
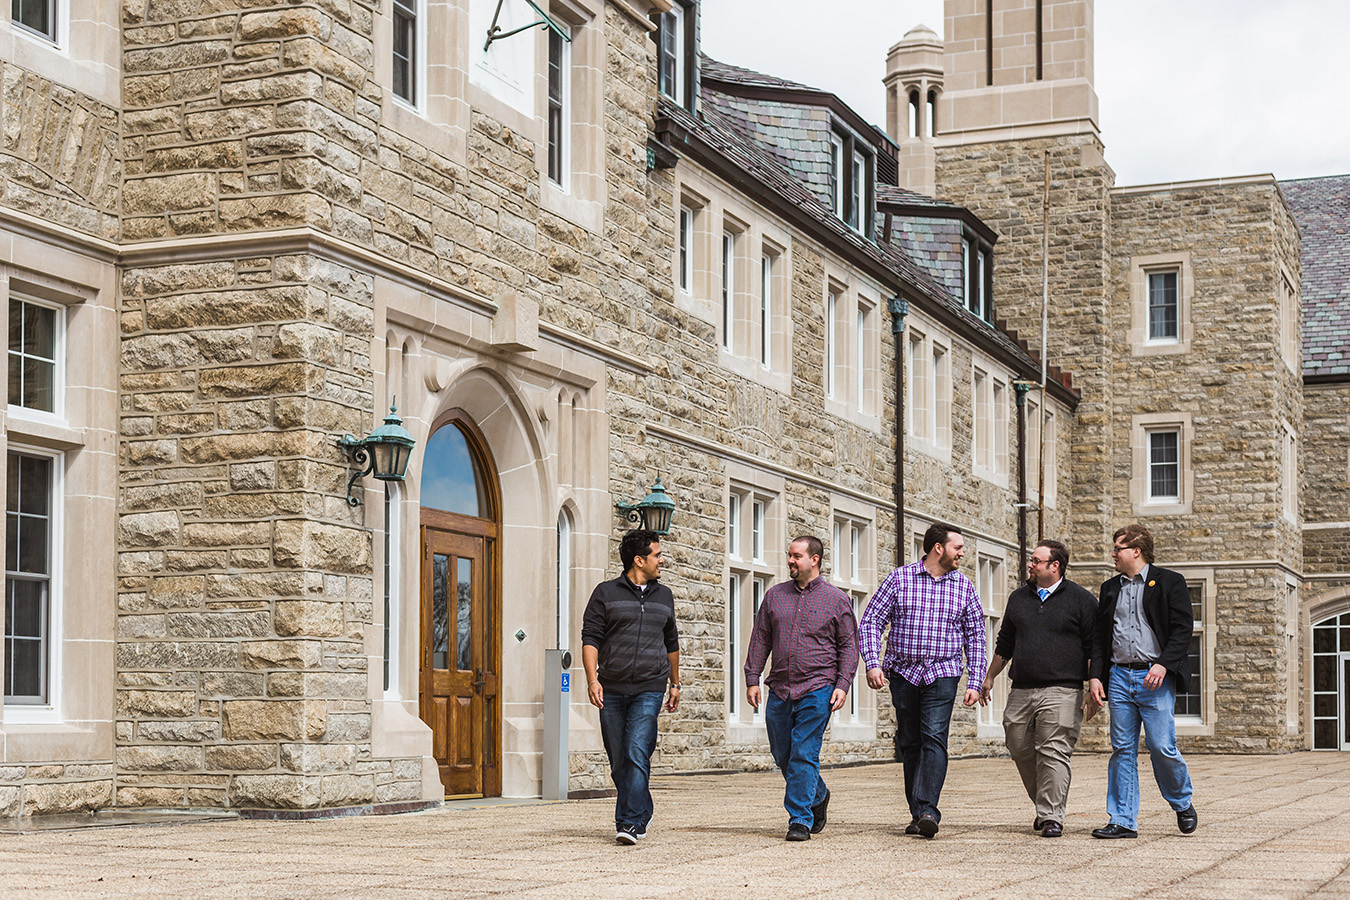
[934,615]
[808,626]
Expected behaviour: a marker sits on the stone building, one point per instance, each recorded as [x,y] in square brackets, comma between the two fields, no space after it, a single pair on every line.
[1210,395]
[571,258]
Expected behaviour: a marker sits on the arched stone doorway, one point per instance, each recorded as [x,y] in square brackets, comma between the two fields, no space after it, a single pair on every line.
[1331,680]
[459,694]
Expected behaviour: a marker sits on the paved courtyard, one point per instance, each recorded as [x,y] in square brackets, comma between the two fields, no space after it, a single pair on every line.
[1270,827]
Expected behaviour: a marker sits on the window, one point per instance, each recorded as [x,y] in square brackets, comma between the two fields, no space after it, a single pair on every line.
[992,586]
[559,67]
[766,310]
[1290,314]
[932,113]
[728,288]
[674,54]
[685,269]
[405,49]
[913,130]
[1161,289]
[990,427]
[852,357]
[1033,414]
[1162,306]
[831,343]
[1162,481]
[850,567]
[30,540]
[1330,662]
[850,176]
[1191,704]
[38,16]
[34,367]
[564,590]
[976,277]
[1164,465]
[860,350]
[752,529]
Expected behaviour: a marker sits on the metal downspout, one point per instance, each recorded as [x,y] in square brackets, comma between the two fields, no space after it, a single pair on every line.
[899,309]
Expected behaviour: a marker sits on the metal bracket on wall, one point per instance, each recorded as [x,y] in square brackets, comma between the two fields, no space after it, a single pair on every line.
[495,33]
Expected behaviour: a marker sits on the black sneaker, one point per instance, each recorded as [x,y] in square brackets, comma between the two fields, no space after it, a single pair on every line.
[627,834]
[642,829]
[798,832]
[818,814]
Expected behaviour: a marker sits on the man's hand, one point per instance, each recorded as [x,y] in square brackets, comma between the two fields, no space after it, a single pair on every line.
[1097,692]
[837,700]
[596,694]
[876,679]
[1154,679]
[752,695]
[985,690]
[674,702]
[972,697]
[1090,707]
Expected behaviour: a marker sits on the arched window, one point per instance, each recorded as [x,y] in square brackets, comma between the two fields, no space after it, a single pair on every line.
[913,113]
[451,478]
[932,113]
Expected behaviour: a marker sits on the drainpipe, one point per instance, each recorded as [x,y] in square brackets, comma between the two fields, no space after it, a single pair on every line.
[1021,386]
[899,309]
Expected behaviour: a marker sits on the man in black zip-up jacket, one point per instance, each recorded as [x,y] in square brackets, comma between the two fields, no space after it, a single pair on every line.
[629,648]
[1047,635]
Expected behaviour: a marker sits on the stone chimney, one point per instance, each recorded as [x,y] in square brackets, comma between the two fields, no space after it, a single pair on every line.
[913,84]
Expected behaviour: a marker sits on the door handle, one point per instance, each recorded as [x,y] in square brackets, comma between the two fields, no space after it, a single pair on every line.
[479,680]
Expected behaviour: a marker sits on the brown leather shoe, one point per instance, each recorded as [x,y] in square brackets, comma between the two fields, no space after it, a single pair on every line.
[1051,829]
[912,827]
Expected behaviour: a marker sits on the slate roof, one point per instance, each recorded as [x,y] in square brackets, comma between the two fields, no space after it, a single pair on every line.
[1321,208]
[796,133]
[889,193]
[720,71]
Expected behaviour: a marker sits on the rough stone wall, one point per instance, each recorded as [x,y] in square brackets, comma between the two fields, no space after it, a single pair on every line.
[60,159]
[1003,184]
[1326,470]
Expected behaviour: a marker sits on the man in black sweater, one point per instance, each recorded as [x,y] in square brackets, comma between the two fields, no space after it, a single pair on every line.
[1047,635]
[629,647]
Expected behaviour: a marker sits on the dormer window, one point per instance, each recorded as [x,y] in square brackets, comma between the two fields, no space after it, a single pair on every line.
[675,53]
[977,277]
[851,167]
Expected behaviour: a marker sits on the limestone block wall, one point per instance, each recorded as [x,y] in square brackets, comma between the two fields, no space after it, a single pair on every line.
[1003,183]
[1326,472]
[60,153]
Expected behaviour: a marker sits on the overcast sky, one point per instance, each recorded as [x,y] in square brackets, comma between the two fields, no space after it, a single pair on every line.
[1188,88]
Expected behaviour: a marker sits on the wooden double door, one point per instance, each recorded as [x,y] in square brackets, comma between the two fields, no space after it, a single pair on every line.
[460,674]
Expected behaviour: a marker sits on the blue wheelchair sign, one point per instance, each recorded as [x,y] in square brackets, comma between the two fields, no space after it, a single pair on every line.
[566,682]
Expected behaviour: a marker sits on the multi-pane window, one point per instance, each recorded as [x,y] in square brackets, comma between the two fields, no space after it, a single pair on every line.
[405,49]
[991,423]
[849,176]
[976,278]
[558,67]
[1331,683]
[1162,306]
[1191,703]
[1289,321]
[33,364]
[851,354]
[831,343]
[1034,452]
[36,15]
[860,350]
[1164,465]
[749,574]
[29,541]
[849,570]
[728,288]
[686,262]
[671,62]
[991,585]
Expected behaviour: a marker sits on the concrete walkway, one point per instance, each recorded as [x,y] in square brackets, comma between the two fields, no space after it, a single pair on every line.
[1270,827]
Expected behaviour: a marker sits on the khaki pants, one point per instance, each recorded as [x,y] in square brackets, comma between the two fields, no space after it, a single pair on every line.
[1041,727]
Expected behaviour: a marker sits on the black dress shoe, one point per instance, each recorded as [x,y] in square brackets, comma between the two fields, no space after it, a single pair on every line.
[928,825]
[1038,824]
[1187,819]
[798,832]
[818,814]
[912,827]
[1052,829]
[1114,831]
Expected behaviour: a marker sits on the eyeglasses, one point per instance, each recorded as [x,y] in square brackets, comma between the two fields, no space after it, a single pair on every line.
[1033,561]
[1115,551]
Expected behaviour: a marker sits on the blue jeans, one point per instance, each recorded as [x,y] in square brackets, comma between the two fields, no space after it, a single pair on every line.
[628,726]
[1132,705]
[923,716]
[796,728]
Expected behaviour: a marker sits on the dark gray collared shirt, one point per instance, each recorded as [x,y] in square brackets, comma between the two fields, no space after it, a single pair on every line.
[1132,641]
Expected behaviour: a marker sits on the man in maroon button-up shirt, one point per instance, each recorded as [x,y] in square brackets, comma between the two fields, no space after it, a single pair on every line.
[808,626]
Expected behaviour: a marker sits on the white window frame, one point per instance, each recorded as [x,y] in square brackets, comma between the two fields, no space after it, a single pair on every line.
[1141,269]
[728,290]
[1151,436]
[673,29]
[563,181]
[991,584]
[685,248]
[57,416]
[837,174]
[831,341]
[754,528]
[1033,413]
[1160,273]
[19,712]
[852,569]
[1141,486]
[1203,681]
[417,67]
[766,267]
[59,12]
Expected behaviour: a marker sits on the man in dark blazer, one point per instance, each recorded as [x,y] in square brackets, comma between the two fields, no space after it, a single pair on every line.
[1140,659]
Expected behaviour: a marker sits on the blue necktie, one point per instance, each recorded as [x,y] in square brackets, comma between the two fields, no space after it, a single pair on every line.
[1044,592]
